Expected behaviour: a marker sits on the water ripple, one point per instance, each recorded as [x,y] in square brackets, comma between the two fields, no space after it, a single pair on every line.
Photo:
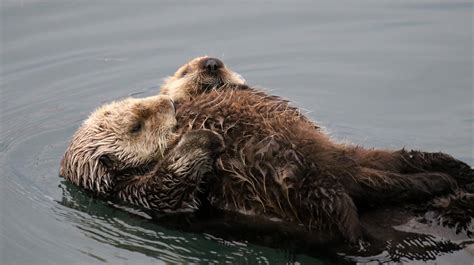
[381,74]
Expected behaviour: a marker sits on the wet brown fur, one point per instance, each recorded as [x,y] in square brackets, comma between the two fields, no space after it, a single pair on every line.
[276,162]
[119,135]
[128,150]
[279,164]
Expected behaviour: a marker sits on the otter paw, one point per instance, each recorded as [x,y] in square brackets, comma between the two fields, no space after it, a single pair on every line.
[359,245]
[362,245]
[455,211]
[207,140]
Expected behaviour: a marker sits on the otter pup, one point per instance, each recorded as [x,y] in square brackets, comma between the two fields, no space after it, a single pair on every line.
[120,140]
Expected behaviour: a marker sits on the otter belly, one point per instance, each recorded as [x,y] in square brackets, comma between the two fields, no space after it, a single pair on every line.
[266,154]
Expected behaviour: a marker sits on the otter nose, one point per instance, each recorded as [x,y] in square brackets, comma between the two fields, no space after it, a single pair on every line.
[213,64]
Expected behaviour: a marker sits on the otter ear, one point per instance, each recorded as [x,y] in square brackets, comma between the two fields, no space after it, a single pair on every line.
[108,160]
[182,71]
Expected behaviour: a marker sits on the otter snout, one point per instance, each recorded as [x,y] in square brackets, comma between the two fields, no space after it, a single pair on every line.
[198,76]
[211,64]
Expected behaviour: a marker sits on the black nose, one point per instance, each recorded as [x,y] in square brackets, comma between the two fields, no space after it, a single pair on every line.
[213,64]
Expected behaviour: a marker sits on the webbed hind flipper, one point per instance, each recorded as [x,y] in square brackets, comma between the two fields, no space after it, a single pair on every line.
[417,161]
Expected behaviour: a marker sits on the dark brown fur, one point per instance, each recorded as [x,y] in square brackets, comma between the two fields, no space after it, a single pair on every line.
[277,165]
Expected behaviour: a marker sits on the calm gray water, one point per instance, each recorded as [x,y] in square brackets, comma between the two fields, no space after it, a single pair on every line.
[378,73]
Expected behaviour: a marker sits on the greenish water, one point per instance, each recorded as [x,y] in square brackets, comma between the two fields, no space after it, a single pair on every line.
[377,73]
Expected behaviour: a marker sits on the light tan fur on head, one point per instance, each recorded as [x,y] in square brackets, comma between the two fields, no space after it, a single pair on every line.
[122,134]
[192,77]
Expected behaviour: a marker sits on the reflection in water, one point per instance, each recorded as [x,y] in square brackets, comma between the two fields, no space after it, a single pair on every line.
[134,230]
[167,236]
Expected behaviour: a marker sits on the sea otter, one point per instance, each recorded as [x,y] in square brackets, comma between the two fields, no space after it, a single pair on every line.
[277,165]
[268,168]
[275,162]
[204,74]
[121,139]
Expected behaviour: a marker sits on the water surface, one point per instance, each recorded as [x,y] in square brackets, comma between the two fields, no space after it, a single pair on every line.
[384,73]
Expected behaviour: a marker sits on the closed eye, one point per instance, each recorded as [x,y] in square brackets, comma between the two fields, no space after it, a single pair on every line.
[136,128]
[184,72]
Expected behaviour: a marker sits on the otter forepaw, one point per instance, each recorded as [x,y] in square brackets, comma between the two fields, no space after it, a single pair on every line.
[362,245]
[358,243]
[207,140]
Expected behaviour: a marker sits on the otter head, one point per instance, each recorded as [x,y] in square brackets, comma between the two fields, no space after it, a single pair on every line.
[117,136]
[197,76]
